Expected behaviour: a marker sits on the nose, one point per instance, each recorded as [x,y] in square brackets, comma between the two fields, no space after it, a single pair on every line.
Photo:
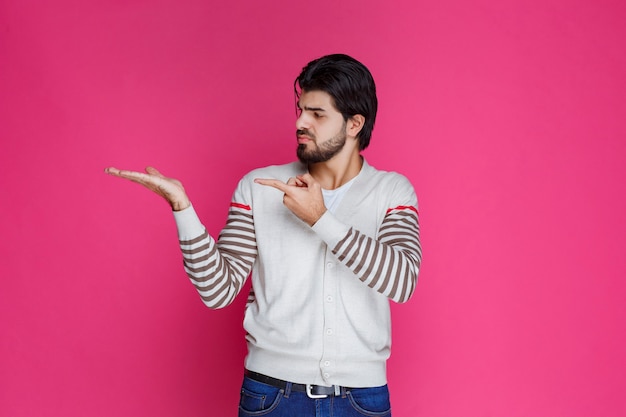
[302,122]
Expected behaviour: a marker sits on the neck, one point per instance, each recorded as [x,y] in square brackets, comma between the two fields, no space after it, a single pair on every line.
[339,170]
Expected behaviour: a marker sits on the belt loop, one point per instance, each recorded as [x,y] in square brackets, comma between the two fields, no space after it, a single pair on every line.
[287,389]
[344,392]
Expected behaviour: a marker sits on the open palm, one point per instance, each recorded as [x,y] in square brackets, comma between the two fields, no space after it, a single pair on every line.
[170,189]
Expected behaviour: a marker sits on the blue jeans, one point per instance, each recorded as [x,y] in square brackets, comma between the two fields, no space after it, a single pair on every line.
[259,399]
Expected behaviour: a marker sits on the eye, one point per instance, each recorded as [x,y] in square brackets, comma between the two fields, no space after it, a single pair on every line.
[317,115]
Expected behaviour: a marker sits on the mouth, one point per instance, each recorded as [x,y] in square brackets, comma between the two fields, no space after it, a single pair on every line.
[303,139]
[303,136]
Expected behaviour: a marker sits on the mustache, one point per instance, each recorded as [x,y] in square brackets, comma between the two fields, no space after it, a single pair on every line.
[304,132]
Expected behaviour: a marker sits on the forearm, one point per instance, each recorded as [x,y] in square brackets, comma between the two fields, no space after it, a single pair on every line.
[389,264]
[217,269]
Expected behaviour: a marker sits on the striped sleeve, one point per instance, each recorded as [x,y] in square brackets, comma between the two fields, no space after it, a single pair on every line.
[389,264]
[219,269]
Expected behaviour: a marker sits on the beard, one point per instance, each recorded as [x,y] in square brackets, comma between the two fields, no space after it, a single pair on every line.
[323,152]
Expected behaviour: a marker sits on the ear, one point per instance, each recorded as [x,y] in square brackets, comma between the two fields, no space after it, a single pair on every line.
[354,125]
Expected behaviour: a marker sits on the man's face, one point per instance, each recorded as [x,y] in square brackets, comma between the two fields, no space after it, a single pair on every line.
[321,129]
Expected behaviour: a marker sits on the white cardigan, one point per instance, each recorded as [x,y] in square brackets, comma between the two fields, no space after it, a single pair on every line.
[318,312]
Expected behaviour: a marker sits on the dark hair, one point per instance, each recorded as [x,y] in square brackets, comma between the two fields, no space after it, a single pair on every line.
[349,83]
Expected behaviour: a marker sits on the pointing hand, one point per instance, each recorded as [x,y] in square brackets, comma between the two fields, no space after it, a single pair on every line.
[303,196]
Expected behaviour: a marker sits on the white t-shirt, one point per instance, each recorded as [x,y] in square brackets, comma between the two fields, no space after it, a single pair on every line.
[332,198]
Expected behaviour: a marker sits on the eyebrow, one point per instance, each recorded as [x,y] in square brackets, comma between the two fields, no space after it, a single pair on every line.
[308,108]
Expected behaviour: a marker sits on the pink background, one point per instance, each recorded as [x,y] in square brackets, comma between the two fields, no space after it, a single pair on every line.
[509,117]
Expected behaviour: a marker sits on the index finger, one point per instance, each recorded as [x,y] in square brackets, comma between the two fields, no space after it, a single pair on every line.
[279,185]
[130,175]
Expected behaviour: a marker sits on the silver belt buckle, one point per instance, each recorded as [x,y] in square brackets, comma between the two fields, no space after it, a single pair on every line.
[313,396]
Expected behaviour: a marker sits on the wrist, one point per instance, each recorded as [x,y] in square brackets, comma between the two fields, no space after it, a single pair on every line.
[315,220]
[180,205]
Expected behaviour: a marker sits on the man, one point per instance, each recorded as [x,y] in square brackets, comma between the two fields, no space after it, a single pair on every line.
[327,242]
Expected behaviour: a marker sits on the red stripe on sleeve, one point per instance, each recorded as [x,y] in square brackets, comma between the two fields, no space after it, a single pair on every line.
[403,208]
[241,206]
